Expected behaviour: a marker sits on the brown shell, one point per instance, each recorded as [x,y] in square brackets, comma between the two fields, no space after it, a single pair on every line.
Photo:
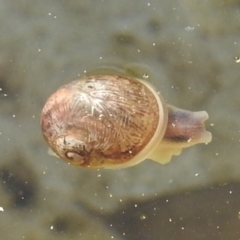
[113,118]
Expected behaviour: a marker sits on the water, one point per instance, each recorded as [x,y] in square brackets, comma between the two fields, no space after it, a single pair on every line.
[191,48]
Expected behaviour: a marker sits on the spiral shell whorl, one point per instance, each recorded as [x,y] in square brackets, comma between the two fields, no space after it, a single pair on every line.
[113,116]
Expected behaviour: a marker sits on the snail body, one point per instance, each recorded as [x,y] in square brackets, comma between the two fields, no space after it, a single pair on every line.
[115,121]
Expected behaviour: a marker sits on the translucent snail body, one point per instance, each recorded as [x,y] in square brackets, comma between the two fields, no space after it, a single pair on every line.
[114,121]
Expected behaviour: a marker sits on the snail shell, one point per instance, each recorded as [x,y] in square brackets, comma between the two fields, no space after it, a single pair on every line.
[115,121]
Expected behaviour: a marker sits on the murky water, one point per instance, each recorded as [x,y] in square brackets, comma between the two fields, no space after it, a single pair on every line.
[192,49]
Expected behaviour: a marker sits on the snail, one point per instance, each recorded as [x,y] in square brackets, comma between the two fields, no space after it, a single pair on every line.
[114,120]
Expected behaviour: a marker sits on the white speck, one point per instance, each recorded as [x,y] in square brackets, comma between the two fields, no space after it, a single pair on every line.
[138,50]
[0,89]
[130,151]
[189,28]
[124,233]
[211,124]
[148,4]
[110,195]
[1,209]
[154,44]
[100,58]
[55,17]
[85,71]
[99,175]
[120,200]
[170,220]
[39,49]
[49,14]
[173,124]
[51,227]
[230,192]
[182,228]
[196,174]
[189,140]
[5,95]
[237,59]
[14,115]
[216,154]
[145,76]
[135,205]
